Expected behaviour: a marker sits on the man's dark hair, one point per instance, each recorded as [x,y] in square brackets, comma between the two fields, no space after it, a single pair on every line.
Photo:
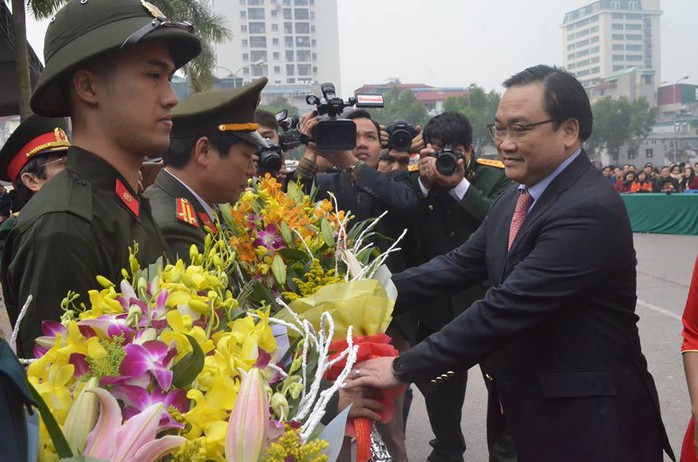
[449,128]
[564,97]
[266,119]
[178,155]
[363,114]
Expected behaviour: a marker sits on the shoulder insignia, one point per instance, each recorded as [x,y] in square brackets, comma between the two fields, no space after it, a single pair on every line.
[127,198]
[207,222]
[490,163]
[185,212]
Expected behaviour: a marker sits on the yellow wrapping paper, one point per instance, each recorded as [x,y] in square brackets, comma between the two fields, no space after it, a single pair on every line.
[363,304]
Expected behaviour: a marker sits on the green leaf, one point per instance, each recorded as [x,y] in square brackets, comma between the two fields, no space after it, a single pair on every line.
[286,233]
[294,255]
[54,430]
[189,367]
[327,233]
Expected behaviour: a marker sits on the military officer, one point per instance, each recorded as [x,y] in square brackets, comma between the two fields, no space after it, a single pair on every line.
[209,161]
[452,207]
[108,66]
[33,154]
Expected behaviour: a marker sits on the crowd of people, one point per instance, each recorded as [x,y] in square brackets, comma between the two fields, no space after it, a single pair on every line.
[502,263]
[672,178]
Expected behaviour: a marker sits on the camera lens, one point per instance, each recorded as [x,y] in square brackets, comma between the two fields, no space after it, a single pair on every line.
[446,163]
[269,161]
[400,140]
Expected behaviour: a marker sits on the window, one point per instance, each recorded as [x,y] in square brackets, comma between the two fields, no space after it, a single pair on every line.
[302,28]
[631,155]
[276,55]
[314,56]
[303,55]
[244,43]
[277,69]
[302,41]
[595,60]
[275,28]
[302,13]
[274,13]
[649,152]
[595,70]
[256,55]
[617,16]
[615,5]
[288,42]
[300,2]
[243,28]
[289,56]
[633,16]
[618,57]
[617,36]
[617,26]
[290,80]
[633,47]
[633,36]
[634,5]
[243,15]
[633,27]
[255,2]
[583,43]
[303,70]
[634,58]
[275,41]
[259,71]
[582,33]
[594,29]
[618,68]
[616,47]
[242,2]
[245,57]
[288,28]
[257,28]
[288,13]
[258,42]
[290,70]
[255,13]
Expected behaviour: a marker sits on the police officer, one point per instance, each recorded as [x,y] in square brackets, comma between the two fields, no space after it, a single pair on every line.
[108,67]
[453,205]
[208,163]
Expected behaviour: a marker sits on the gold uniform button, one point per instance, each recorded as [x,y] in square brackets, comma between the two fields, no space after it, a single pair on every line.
[431,207]
[434,382]
[451,374]
[451,234]
[488,376]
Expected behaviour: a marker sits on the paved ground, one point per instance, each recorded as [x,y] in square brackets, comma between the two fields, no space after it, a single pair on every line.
[664,267]
[665,263]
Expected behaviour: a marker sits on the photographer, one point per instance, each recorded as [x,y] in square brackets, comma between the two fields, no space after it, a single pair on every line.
[271,160]
[456,192]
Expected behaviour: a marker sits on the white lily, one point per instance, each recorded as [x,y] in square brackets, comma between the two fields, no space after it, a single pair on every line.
[244,439]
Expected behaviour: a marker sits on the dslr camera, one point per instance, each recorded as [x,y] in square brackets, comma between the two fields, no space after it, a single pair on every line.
[291,137]
[447,159]
[400,135]
[269,159]
[333,133]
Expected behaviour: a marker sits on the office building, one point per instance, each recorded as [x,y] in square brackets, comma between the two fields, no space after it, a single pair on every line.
[606,38]
[292,42]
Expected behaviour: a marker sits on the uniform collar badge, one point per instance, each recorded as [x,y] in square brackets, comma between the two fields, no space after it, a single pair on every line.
[206,220]
[185,212]
[127,198]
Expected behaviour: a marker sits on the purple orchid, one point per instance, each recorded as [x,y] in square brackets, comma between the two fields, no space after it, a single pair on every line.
[79,362]
[270,238]
[110,326]
[137,399]
[152,357]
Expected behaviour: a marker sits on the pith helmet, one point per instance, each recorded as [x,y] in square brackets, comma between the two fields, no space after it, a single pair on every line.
[36,136]
[83,29]
[220,111]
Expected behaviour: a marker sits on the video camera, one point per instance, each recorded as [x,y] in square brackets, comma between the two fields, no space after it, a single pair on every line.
[400,135]
[332,133]
[291,137]
[447,159]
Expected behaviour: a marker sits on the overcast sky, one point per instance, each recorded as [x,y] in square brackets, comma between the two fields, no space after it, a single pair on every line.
[459,42]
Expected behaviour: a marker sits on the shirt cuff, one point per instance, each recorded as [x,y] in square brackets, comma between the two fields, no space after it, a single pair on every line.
[459,191]
[425,191]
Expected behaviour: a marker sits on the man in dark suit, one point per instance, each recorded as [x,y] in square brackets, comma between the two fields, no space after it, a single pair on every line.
[209,161]
[568,376]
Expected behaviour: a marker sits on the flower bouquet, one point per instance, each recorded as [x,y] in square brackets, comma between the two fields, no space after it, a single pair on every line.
[167,366]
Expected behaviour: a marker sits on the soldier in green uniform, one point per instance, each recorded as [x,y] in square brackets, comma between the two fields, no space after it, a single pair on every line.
[33,154]
[208,162]
[452,207]
[108,67]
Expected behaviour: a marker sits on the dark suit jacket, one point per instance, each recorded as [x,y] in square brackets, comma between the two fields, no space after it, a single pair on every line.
[559,322]
[179,234]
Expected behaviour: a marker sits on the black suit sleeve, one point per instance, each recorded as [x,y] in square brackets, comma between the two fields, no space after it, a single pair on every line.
[393,190]
[568,254]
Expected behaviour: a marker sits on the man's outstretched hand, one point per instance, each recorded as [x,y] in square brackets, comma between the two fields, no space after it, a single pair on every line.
[376,373]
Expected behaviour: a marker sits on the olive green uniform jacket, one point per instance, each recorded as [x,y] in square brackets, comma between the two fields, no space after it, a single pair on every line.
[443,223]
[178,213]
[79,225]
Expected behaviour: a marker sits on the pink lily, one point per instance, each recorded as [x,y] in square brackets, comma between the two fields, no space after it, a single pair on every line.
[245,436]
[135,440]
[136,399]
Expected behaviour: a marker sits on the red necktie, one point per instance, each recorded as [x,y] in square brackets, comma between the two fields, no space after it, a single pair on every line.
[522,205]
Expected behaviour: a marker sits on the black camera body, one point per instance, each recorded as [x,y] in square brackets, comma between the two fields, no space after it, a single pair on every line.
[333,133]
[447,159]
[400,135]
[269,159]
[291,137]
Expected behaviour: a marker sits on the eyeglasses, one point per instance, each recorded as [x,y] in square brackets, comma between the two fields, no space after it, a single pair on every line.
[404,161]
[60,161]
[514,131]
